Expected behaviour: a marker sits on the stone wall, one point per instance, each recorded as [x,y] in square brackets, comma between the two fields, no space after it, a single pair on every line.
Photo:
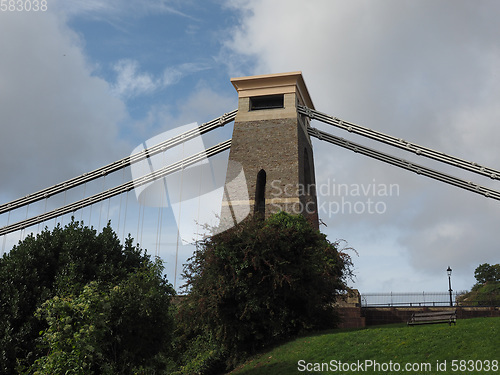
[349,308]
[390,315]
[279,147]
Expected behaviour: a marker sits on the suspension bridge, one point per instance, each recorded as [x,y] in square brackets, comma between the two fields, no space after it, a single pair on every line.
[104,193]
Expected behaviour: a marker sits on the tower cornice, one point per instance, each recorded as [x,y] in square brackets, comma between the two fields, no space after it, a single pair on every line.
[272,84]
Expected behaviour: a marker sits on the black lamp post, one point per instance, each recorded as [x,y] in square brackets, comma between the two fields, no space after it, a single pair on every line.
[449,283]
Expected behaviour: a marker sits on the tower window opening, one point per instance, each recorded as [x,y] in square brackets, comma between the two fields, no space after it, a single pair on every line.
[267,102]
[260,193]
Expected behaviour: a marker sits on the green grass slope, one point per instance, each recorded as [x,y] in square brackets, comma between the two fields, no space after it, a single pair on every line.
[470,347]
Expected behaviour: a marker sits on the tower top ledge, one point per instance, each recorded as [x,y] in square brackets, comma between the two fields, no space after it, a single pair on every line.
[273,84]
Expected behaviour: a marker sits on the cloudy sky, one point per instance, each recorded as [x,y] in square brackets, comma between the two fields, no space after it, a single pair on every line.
[85,82]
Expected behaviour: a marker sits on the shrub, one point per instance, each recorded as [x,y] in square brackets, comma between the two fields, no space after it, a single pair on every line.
[260,282]
[55,263]
[109,329]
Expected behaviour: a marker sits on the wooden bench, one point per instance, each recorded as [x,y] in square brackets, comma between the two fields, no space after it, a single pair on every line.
[433,317]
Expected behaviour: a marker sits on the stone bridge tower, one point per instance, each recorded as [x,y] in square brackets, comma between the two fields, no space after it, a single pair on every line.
[271,145]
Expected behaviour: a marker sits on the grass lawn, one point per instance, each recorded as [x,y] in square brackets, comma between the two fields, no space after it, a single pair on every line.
[426,349]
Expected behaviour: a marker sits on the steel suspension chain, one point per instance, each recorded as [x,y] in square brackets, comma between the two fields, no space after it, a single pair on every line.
[402,163]
[223,146]
[119,164]
[400,143]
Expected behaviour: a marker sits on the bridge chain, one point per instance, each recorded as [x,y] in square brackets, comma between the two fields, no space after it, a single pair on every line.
[123,188]
[119,164]
[405,164]
[400,143]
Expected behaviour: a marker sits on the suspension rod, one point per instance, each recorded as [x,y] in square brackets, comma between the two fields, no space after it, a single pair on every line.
[123,188]
[400,143]
[419,169]
[119,164]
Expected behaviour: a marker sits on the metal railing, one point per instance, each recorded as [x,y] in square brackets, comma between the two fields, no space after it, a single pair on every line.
[428,299]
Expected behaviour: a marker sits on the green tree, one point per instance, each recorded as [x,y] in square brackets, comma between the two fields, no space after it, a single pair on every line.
[487,273]
[486,291]
[260,282]
[54,262]
[75,333]
[121,329]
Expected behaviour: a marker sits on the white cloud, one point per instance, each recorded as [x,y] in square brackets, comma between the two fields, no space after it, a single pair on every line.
[424,71]
[57,119]
[131,82]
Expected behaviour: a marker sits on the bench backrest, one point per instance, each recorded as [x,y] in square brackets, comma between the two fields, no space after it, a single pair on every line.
[435,314]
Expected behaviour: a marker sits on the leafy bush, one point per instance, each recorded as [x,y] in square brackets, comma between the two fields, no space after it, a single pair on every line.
[54,263]
[109,330]
[198,355]
[260,282]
